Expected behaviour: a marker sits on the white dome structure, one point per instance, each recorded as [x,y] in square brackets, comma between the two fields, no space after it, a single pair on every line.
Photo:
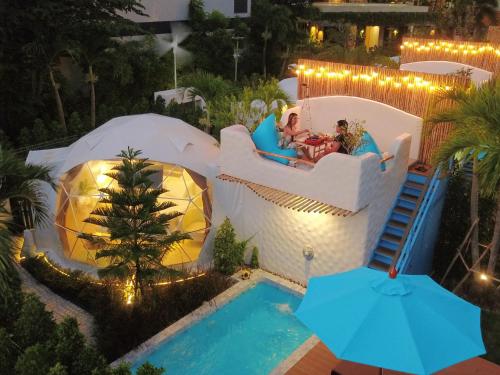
[163,139]
[183,157]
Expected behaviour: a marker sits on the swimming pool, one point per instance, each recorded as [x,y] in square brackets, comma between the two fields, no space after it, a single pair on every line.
[249,335]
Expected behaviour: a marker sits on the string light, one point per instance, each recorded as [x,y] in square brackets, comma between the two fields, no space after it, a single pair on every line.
[454,48]
[408,81]
[97,282]
[483,277]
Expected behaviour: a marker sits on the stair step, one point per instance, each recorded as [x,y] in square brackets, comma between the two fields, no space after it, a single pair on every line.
[378,265]
[391,238]
[385,251]
[403,211]
[406,204]
[408,197]
[396,231]
[416,178]
[397,224]
[414,185]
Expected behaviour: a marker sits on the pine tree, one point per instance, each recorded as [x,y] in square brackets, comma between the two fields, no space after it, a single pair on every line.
[136,222]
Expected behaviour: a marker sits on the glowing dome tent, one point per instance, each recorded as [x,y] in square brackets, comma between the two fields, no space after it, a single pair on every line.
[183,159]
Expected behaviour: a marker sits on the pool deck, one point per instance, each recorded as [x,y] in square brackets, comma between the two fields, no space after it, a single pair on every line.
[320,361]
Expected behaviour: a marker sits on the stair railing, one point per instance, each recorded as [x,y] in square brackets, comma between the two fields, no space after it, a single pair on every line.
[415,224]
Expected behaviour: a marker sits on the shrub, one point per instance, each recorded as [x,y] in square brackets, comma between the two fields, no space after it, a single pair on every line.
[89,362]
[7,353]
[34,325]
[254,261]
[67,342]
[163,306]
[34,361]
[58,369]
[228,253]
[148,369]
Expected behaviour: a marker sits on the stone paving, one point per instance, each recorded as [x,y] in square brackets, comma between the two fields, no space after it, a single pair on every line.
[59,306]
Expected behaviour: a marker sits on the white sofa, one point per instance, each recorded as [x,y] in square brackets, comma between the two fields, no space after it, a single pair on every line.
[383,122]
[478,76]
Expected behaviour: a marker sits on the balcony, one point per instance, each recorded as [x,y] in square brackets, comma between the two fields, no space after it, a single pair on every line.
[363,6]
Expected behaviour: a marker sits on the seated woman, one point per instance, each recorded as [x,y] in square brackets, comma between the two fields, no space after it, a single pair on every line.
[289,135]
[340,141]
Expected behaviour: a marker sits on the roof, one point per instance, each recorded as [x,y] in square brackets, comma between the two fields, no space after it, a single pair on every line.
[161,138]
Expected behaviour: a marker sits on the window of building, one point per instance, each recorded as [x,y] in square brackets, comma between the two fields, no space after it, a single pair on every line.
[240,6]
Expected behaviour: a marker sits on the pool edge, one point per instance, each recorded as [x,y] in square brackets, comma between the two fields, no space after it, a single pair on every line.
[209,307]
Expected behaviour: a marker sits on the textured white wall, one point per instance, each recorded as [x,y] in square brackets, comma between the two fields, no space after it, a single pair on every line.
[383,122]
[478,76]
[339,243]
[281,234]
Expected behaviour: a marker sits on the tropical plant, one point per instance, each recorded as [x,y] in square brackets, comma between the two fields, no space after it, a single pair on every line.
[476,137]
[254,260]
[354,138]
[214,91]
[18,181]
[137,224]
[274,33]
[258,101]
[228,252]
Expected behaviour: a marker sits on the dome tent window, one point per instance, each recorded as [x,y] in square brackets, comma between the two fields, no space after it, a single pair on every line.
[183,158]
[79,194]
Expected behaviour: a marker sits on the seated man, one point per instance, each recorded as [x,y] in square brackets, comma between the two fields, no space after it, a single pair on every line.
[340,141]
[290,132]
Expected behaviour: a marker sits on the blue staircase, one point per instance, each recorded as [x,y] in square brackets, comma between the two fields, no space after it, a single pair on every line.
[400,221]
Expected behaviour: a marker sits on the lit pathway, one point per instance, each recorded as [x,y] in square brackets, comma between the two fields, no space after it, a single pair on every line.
[60,307]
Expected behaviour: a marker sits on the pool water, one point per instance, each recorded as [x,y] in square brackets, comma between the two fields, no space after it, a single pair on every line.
[251,334]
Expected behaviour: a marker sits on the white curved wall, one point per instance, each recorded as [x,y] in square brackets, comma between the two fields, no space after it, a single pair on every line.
[478,76]
[281,234]
[383,122]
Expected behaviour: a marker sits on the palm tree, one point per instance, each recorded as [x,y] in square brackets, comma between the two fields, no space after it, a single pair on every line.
[136,222]
[18,180]
[211,88]
[476,137]
[266,36]
[47,54]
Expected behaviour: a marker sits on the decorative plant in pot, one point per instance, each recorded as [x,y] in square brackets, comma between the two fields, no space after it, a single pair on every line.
[355,136]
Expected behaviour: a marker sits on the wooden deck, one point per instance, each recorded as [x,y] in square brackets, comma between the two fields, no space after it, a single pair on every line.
[320,361]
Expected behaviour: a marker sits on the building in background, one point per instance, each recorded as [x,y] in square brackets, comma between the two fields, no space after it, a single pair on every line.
[374,23]
[161,14]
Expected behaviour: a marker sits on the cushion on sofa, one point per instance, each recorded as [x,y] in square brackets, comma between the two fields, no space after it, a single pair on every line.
[266,139]
[369,145]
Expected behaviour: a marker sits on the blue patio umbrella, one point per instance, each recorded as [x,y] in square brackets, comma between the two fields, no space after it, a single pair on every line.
[408,323]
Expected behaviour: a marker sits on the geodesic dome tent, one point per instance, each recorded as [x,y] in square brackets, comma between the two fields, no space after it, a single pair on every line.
[183,159]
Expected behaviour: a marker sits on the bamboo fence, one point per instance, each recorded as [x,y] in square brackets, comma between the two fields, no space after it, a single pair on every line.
[480,55]
[415,93]
[493,34]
